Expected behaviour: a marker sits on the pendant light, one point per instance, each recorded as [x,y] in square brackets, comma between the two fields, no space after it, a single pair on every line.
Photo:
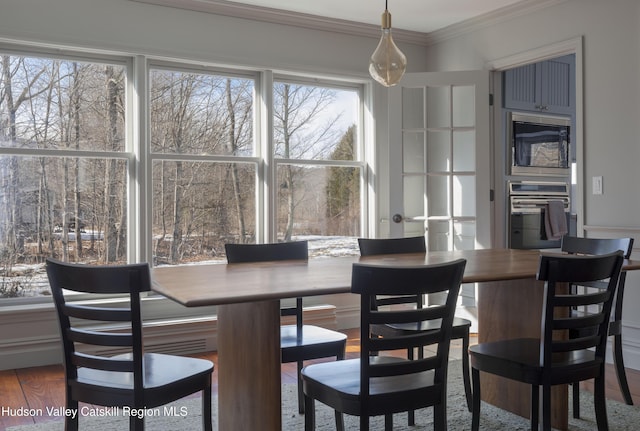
[388,63]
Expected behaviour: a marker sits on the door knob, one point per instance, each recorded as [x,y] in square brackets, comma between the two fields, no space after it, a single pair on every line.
[397,218]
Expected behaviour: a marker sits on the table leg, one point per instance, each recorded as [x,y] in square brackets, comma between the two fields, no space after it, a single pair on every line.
[513,309]
[249,366]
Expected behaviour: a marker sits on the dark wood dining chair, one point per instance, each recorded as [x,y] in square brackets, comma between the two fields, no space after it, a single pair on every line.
[578,245]
[108,367]
[461,327]
[298,342]
[381,382]
[555,358]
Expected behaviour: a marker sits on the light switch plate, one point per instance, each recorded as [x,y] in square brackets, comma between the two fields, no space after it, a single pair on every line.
[597,185]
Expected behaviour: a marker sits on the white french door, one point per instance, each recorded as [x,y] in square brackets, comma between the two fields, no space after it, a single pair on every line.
[440,161]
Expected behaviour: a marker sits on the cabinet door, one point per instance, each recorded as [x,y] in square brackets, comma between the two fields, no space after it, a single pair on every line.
[521,88]
[545,87]
[556,85]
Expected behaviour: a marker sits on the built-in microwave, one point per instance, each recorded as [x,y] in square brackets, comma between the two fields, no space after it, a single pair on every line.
[539,144]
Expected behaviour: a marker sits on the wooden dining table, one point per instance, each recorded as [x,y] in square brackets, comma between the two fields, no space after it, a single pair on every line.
[247,296]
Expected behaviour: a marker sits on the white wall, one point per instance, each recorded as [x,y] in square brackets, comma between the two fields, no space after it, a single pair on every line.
[611,52]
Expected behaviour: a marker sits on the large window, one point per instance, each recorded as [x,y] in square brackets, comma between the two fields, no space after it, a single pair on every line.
[82,181]
[63,167]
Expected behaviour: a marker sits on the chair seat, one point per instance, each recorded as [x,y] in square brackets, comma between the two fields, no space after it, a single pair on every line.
[161,373]
[337,384]
[316,342]
[519,359]
[460,327]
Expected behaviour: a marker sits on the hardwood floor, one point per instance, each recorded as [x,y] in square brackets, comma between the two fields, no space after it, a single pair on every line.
[39,387]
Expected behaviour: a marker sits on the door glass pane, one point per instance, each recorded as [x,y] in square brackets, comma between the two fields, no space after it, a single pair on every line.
[438,235]
[464,235]
[464,196]
[464,151]
[438,107]
[412,108]
[463,106]
[439,195]
[413,152]
[439,151]
[414,195]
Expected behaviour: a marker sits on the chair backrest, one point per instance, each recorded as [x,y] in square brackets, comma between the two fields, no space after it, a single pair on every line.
[244,253]
[74,318]
[577,245]
[371,281]
[294,250]
[586,246]
[376,246]
[559,269]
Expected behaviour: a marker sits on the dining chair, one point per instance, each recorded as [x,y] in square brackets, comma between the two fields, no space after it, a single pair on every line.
[555,358]
[578,245]
[461,327]
[381,382]
[298,342]
[104,359]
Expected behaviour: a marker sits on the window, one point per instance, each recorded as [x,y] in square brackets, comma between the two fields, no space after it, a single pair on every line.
[317,158]
[204,171]
[63,167]
[215,164]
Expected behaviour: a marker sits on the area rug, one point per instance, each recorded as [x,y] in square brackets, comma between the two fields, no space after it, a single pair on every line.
[186,415]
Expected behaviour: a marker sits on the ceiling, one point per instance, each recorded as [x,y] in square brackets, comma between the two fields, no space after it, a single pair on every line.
[413,18]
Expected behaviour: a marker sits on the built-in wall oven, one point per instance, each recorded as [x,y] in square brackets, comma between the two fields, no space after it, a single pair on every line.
[528,201]
[539,144]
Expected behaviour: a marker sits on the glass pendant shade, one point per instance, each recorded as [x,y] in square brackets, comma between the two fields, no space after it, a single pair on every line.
[388,63]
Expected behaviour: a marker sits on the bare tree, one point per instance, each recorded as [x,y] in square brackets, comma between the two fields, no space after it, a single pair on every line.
[303,130]
[10,233]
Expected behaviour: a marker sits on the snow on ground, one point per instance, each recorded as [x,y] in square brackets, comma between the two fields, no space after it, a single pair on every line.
[32,279]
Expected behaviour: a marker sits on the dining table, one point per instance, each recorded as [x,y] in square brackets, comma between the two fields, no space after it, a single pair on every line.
[247,296]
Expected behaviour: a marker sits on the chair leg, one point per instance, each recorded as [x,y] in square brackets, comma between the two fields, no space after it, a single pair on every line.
[465,370]
[440,417]
[411,414]
[300,391]
[310,416]
[364,423]
[535,407]
[136,423]
[71,424]
[575,390]
[600,402]
[618,361]
[546,407]
[475,411]
[339,420]
[388,422]
[206,408]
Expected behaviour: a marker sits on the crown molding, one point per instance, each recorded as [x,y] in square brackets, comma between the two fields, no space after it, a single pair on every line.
[279,16]
[489,19]
[335,25]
